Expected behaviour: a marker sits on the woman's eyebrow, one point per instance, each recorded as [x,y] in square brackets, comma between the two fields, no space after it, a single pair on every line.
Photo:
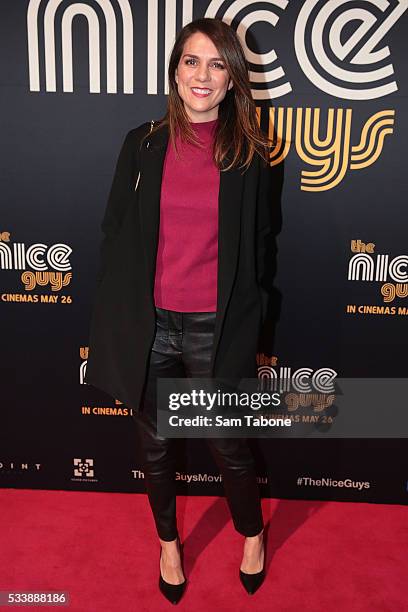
[196,57]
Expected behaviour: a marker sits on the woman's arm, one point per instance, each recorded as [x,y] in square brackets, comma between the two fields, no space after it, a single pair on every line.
[121,192]
[264,216]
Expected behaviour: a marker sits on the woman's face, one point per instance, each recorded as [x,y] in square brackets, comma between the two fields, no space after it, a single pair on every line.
[202,78]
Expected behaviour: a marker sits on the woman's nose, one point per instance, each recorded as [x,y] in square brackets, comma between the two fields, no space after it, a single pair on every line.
[202,73]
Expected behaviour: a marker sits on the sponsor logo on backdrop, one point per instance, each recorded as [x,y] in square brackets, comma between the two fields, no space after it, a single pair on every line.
[303,380]
[265,69]
[387,273]
[353,66]
[83,470]
[18,467]
[307,392]
[350,66]
[204,477]
[324,481]
[118,410]
[83,353]
[331,157]
[210,478]
[40,266]
[199,477]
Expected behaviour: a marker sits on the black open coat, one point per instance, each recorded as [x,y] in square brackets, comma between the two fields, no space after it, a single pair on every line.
[123,317]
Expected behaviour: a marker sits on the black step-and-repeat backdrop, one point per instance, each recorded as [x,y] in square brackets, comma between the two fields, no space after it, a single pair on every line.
[329,79]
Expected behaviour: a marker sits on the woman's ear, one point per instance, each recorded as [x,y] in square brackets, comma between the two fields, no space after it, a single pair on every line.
[176,76]
[230,84]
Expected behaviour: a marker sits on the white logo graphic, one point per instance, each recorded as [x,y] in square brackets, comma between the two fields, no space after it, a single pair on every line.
[83,467]
[82,373]
[79,8]
[303,380]
[363,267]
[39,257]
[351,66]
[333,56]
[269,74]
[170,31]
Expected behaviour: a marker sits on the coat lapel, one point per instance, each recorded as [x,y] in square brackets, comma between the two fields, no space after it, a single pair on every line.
[229,215]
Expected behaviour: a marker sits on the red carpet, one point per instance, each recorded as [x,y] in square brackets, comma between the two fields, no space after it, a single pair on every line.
[102,548]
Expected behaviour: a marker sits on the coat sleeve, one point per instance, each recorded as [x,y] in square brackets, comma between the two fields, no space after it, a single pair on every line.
[264,216]
[121,191]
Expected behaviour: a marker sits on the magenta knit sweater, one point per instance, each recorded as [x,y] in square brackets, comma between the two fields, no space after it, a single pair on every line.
[187,254]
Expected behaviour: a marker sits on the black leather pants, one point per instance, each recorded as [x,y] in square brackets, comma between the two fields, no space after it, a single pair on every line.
[182,347]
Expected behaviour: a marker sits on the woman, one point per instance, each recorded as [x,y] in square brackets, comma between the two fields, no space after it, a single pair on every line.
[182,262]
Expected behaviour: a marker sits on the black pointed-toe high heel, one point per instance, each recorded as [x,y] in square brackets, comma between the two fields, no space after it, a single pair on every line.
[252,582]
[172,592]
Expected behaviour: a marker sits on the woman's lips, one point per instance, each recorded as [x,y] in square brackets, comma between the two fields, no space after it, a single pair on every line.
[201,95]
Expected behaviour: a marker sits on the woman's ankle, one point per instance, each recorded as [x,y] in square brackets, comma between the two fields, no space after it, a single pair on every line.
[258,535]
[171,548]
[169,542]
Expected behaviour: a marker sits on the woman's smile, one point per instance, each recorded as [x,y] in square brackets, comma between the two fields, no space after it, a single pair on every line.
[201,93]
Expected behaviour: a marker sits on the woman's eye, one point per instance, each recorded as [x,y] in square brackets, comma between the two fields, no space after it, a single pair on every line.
[216,64]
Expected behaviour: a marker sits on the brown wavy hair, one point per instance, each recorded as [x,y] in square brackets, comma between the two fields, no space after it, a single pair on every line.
[238,132]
